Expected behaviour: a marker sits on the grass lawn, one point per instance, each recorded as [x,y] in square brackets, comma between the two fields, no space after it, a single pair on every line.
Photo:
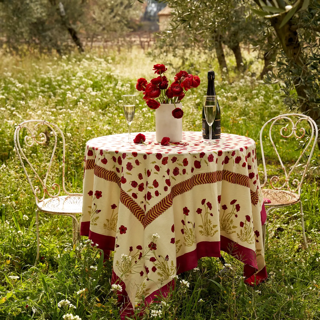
[81,94]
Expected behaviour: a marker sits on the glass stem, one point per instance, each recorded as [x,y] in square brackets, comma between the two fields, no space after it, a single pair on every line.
[129,131]
[210,132]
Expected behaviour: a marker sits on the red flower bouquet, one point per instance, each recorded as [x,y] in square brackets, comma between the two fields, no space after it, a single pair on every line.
[159,90]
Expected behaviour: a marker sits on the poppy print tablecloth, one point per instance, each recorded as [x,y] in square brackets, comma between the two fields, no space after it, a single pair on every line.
[161,208]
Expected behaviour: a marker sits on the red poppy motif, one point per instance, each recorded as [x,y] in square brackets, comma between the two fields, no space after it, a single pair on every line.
[149,196]
[166,258]
[90,153]
[129,166]
[140,176]
[113,206]
[134,195]
[123,180]
[241,224]
[152,246]
[237,159]
[210,158]
[249,167]
[233,153]
[147,269]
[98,194]
[134,154]
[141,273]
[173,240]
[153,259]
[101,152]
[220,153]
[184,171]
[137,162]
[114,159]
[172,228]
[233,201]
[257,233]
[202,154]
[168,171]
[165,160]
[185,162]
[248,218]
[203,201]
[165,188]
[224,207]
[141,187]
[197,164]
[244,164]
[168,182]
[174,159]
[251,175]
[237,207]
[123,229]
[90,193]
[159,156]
[154,269]
[199,211]
[209,205]
[175,171]
[219,198]
[104,161]
[155,183]
[186,211]
[182,231]
[119,160]
[157,168]
[134,184]
[130,249]
[226,160]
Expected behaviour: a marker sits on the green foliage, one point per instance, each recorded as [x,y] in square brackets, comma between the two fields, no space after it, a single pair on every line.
[81,94]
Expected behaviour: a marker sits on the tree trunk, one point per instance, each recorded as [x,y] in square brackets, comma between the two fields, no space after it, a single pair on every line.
[220,55]
[75,38]
[289,41]
[269,57]
[238,55]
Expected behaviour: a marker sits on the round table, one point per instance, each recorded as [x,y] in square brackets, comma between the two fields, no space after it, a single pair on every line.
[161,208]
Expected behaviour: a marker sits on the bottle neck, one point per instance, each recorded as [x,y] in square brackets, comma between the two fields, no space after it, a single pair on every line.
[211,89]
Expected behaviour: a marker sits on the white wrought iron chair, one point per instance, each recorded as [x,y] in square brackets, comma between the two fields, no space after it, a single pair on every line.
[285,190]
[29,137]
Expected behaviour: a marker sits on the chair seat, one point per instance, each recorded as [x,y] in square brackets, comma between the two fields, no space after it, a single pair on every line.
[63,204]
[279,197]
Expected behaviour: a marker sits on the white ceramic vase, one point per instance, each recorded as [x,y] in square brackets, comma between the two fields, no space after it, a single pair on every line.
[166,124]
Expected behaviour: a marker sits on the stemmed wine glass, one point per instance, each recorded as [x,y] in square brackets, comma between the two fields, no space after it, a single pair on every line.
[210,108]
[129,106]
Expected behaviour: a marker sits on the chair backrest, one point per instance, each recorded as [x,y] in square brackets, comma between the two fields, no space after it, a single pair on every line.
[36,144]
[303,133]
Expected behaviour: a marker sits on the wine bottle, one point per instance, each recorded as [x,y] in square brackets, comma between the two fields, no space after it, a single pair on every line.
[216,126]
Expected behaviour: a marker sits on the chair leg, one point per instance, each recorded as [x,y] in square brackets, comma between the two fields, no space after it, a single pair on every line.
[38,237]
[303,228]
[75,231]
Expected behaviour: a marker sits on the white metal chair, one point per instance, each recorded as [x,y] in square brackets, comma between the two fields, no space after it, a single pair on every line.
[29,137]
[285,189]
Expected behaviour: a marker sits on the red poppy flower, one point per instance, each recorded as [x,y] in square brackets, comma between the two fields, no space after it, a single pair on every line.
[104,161]
[220,153]
[237,207]
[173,240]
[141,187]
[209,205]
[152,246]
[257,233]
[159,156]
[186,211]
[134,195]
[153,104]
[165,141]
[177,113]
[140,176]
[226,160]
[199,211]
[237,159]
[241,224]
[233,201]
[224,207]
[141,84]
[175,171]
[155,183]
[251,175]
[90,193]
[203,201]
[185,162]
[197,164]
[159,68]
[139,247]
[157,168]
[141,273]
[154,269]
[129,166]
[202,154]
[186,84]
[248,218]
[113,206]
[165,160]
[140,138]
[123,180]
[172,228]
[219,198]
[98,194]
[123,229]
[174,159]
[90,153]
[153,259]
[210,157]
[149,196]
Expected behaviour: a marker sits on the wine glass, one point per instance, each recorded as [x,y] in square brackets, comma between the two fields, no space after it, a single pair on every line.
[210,109]
[129,106]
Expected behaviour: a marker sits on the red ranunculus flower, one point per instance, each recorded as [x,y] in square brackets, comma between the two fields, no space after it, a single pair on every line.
[123,229]
[186,84]
[153,104]
[152,91]
[195,82]
[141,84]
[176,89]
[159,68]
[181,74]
[156,81]
[182,95]
[169,93]
[140,138]
[165,141]
[177,113]
[164,83]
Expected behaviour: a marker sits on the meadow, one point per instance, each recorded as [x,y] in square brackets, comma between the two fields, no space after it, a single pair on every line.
[81,93]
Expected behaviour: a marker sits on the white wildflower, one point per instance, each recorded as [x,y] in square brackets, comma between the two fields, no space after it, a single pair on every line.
[156,313]
[201,300]
[174,277]
[258,291]
[94,268]
[155,236]
[196,269]
[64,303]
[19,232]
[81,291]
[116,287]
[185,283]
[70,316]
[14,277]
[25,217]
[164,303]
